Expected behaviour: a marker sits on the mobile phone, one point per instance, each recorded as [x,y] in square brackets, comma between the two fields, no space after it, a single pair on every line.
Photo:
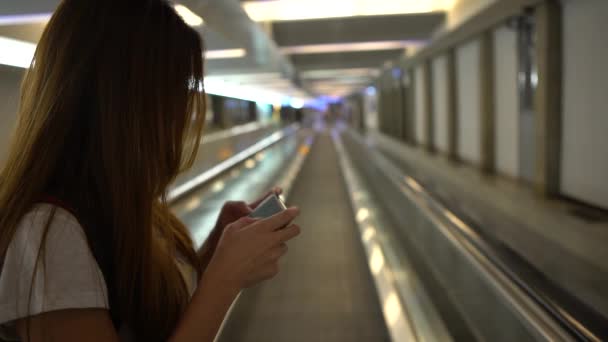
[270,205]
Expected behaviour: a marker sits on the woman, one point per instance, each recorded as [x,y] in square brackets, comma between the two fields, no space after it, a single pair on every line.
[89,249]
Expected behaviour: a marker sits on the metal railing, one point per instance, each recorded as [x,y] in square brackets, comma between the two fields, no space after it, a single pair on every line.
[485,290]
[240,157]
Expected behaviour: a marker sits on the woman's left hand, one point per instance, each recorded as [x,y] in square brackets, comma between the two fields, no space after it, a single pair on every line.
[231,211]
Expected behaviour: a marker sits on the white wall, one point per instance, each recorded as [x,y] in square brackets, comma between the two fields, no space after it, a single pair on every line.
[506,101]
[462,10]
[10,81]
[440,102]
[370,110]
[420,112]
[469,112]
[585,101]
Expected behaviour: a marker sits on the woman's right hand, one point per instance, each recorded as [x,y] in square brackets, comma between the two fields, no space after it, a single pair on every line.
[249,249]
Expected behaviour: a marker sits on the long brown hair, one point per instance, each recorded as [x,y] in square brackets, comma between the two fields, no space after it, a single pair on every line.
[109,104]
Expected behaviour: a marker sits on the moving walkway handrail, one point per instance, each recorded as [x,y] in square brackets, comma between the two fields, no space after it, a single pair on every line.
[548,317]
[220,168]
[235,131]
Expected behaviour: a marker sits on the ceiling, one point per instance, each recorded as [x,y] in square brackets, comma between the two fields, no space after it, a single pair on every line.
[296,48]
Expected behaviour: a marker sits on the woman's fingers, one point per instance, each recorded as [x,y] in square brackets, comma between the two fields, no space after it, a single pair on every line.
[276,252]
[234,209]
[276,221]
[242,223]
[250,249]
[287,234]
[272,270]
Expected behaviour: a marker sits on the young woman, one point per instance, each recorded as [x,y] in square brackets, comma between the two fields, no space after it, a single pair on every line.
[110,112]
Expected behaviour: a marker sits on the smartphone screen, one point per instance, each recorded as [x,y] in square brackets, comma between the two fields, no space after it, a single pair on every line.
[269,206]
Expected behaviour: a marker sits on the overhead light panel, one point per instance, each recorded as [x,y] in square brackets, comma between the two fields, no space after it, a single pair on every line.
[224,54]
[16,53]
[189,17]
[280,10]
[296,103]
[21,19]
[342,81]
[348,72]
[251,76]
[349,47]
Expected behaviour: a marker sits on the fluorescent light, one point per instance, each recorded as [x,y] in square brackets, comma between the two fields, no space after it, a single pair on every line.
[16,53]
[332,86]
[344,47]
[296,103]
[193,204]
[20,19]
[392,309]
[223,54]
[317,9]
[362,214]
[267,90]
[330,73]
[345,81]
[369,233]
[250,76]
[217,86]
[189,17]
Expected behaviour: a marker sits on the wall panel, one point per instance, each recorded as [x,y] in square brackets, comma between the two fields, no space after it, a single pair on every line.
[420,112]
[440,100]
[585,102]
[467,89]
[506,101]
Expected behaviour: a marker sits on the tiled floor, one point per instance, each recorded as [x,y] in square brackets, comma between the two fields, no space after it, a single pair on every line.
[324,291]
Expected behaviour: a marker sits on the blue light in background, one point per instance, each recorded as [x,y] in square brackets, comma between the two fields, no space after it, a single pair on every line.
[320,103]
[396,73]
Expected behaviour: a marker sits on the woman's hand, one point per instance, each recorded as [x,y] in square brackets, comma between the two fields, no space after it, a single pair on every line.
[249,250]
[231,211]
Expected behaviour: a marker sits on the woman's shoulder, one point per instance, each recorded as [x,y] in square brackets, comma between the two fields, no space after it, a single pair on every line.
[59,220]
[49,254]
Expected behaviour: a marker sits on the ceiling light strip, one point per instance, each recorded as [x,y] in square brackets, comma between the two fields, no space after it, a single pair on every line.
[225,54]
[310,9]
[16,53]
[21,19]
[325,73]
[351,47]
[189,17]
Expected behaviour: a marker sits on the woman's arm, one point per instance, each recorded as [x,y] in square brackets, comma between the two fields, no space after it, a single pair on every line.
[206,311]
[247,253]
[201,321]
[73,325]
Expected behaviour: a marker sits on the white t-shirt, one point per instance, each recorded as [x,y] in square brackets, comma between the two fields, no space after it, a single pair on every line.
[69,279]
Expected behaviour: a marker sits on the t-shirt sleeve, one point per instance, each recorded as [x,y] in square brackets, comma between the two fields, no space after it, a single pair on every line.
[66,276]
